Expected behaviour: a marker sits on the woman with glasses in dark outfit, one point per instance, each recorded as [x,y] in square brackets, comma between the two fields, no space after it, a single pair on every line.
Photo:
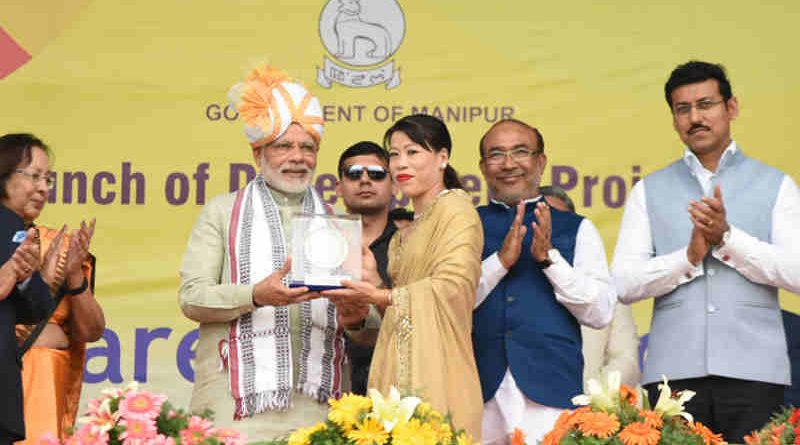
[52,371]
[24,296]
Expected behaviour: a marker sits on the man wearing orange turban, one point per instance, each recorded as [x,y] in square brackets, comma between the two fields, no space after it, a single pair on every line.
[269,357]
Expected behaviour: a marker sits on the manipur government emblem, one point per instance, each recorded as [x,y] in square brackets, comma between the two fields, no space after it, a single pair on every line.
[361,35]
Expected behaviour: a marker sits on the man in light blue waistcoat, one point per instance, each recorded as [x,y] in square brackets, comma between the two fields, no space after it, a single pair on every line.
[710,238]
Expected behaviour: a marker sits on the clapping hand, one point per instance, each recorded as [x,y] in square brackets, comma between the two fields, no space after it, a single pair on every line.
[542,231]
[52,272]
[27,258]
[78,252]
[512,244]
[709,217]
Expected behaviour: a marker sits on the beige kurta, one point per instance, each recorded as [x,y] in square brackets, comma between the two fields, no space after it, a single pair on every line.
[613,348]
[206,295]
[425,347]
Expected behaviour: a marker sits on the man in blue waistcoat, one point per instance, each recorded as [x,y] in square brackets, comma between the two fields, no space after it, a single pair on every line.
[544,274]
[712,237]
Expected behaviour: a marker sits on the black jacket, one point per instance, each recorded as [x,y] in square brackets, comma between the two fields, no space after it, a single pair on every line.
[28,305]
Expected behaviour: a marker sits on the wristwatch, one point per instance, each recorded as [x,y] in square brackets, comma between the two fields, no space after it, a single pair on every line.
[725,238]
[358,327]
[547,261]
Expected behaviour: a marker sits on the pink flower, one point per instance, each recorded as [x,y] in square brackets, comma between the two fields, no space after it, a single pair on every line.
[48,439]
[162,440]
[198,429]
[100,415]
[141,405]
[88,435]
[137,431]
[228,436]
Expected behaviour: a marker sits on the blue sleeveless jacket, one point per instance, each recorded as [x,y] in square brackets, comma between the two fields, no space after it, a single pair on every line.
[521,325]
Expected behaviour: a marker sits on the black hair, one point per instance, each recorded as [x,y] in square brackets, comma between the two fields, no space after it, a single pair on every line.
[16,149]
[695,71]
[430,133]
[362,148]
[533,129]
[558,192]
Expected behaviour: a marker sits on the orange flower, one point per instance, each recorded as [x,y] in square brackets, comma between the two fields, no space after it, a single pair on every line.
[268,75]
[752,438]
[639,433]
[598,424]
[567,419]
[628,394]
[256,99]
[777,432]
[652,419]
[708,436]
[555,435]
[518,437]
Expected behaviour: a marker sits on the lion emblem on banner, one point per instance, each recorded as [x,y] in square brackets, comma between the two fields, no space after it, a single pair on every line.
[360,33]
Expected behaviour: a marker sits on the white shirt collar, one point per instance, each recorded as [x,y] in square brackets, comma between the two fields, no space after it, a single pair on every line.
[527,201]
[696,167]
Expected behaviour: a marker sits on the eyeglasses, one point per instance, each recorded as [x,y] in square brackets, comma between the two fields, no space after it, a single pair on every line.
[374,172]
[702,106]
[37,177]
[284,147]
[496,157]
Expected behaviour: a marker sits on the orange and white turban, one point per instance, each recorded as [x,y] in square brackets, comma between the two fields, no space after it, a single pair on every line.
[268,101]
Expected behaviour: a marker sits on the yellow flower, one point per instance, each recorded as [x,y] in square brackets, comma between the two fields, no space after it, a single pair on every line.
[346,411]
[669,406]
[301,436]
[443,431]
[368,432]
[603,396]
[463,439]
[413,433]
[392,411]
[424,408]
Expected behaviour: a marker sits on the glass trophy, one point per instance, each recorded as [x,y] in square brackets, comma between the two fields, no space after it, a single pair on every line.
[325,250]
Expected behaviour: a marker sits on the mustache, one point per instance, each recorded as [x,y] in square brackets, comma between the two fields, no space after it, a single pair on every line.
[696,127]
[510,173]
[297,168]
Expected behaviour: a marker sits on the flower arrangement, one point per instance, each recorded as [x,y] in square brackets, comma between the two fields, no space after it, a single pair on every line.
[782,429]
[129,416]
[379,420]
[612,413]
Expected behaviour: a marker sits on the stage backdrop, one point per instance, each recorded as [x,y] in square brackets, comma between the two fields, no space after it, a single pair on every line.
[132,98]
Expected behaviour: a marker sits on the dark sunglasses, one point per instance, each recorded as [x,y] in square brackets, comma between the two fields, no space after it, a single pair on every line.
[375,172]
